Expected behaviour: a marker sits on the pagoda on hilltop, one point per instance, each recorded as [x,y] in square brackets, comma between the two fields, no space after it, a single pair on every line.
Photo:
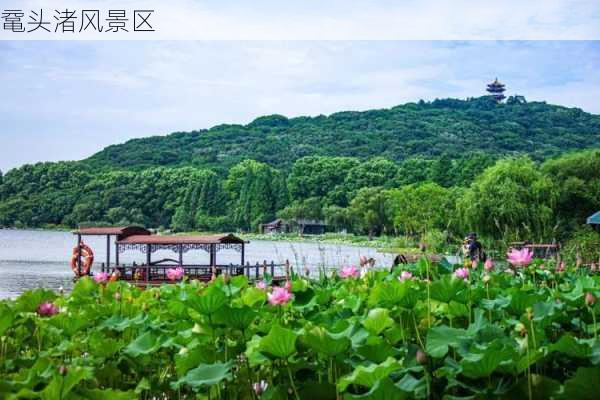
[496,90]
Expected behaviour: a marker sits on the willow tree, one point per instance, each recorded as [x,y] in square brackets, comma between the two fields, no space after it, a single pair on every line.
[511,199]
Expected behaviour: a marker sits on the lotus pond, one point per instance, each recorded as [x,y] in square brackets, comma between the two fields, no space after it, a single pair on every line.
[423,331]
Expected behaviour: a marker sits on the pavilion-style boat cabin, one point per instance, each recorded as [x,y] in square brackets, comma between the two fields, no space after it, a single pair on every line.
[135,238]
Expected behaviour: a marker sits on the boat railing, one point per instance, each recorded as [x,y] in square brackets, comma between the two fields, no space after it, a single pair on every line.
[204,272]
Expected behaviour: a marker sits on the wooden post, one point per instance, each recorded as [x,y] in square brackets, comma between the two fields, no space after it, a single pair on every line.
[243,254]
[79,254]
[212,255]
[107,253]
[180,248]
[256,270]
[287,270]
[116,254]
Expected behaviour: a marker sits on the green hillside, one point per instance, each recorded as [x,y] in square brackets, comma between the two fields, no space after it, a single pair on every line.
[450,126]
[514,170]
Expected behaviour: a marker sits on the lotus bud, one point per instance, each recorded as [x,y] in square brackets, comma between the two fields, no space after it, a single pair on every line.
[488,265]
[62,370]
[529,312]
[486,278]
[196,328]
[520,329]
[590,300]
[260,387]
[117,296]
[421,357]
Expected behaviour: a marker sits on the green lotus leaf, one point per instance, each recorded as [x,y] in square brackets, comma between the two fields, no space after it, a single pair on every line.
[441,337]
[279,343]
[143,384]
[376,352]
[383,389]
[253,297]
[84,289]
[209,301]
[447,288]
[120,323]
[184,361]
[31,299]
[106,394]
[483,362]
[205,375]
[238,318]
[7,316]
[60,387]
[378,320]
[387,294]
[255,357]
[146,343]
[368,376]
[317,391]
[573,347]
[322,342]
[583,386]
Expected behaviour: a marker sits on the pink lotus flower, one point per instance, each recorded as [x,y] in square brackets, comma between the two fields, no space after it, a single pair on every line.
[47,309]
[288,285]
[262,285]
[101,277]
[560,267]
[405,275]
[488,265]
[279,296]
[260,387]
[175,274]
[349,272]
[474,264]
[363,261]
[520,258]
[462,273]
[590,299]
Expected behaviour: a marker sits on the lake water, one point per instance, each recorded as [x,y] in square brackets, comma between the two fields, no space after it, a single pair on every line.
[32,259]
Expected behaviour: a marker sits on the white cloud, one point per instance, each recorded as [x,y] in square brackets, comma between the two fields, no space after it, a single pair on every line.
[73,98]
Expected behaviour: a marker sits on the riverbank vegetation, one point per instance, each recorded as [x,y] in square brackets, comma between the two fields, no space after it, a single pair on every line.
[425,331]
[419,172]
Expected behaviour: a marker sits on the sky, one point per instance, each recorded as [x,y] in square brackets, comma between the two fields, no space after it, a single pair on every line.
[65,100]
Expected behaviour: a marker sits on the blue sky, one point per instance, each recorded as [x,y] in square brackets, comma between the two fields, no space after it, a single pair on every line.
[68,99]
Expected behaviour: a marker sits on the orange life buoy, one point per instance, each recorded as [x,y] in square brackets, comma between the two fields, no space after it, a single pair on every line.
[88,259]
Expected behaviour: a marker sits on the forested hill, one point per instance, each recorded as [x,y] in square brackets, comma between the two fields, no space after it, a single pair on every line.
[450,126]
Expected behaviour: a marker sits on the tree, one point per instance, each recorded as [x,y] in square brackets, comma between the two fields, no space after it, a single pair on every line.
[319,177]
[254,193]
[337,217]
[511,199]
[577,178]
[418,208]
[368,211]
[372,173]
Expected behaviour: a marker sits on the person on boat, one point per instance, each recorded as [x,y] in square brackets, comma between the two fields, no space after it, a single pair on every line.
[473,249]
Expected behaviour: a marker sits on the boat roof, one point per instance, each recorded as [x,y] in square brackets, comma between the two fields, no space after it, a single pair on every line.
[176,239]
[112,230]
